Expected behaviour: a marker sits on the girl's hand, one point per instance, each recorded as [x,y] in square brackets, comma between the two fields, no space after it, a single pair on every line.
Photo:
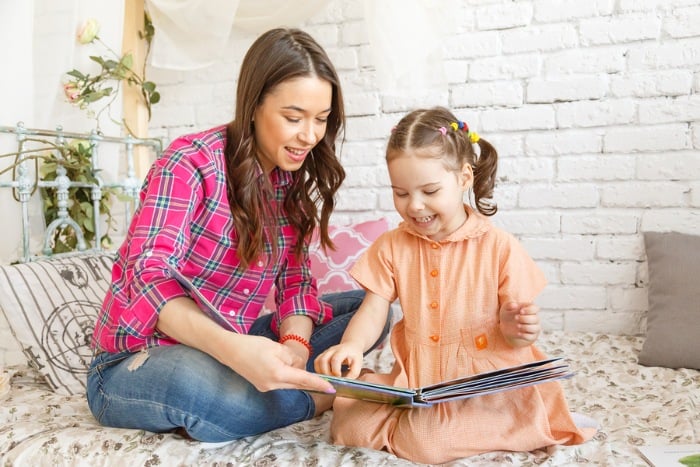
[332,361]
[520,323]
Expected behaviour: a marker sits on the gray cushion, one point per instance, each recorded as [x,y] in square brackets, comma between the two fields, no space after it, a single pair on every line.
[51,306]
[673,319]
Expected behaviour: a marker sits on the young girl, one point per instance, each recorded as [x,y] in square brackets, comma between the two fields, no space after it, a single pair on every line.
[466,289]
[232,208]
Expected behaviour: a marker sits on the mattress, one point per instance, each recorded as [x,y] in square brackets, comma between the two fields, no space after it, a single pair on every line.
[635,406]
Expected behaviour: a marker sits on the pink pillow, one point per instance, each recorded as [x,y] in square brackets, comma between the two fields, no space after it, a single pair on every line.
[331,268]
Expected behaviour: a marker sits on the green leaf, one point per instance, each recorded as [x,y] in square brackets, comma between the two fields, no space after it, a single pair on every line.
[155,98]
[127,60]
[95,96]
[76,74]
[110,64]
[149,86]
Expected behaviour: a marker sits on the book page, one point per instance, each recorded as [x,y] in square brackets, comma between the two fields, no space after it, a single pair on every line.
[357,389]
[490,382]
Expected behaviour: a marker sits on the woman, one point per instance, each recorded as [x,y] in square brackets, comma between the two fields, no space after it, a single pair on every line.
[232,210]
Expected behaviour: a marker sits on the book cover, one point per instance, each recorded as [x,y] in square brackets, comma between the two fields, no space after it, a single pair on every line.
[670,455]
[504,379]
[205,305]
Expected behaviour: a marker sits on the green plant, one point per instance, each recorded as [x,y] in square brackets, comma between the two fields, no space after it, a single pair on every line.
[52,160]
[76,160]
[84,89]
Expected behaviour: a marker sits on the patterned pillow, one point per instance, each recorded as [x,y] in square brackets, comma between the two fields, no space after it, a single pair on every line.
[330,268]
[51,306]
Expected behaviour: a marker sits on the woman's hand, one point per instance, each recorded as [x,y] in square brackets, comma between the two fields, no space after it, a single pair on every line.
[520,323]
[265,363]
[269,365]
[334,359]
[300,351]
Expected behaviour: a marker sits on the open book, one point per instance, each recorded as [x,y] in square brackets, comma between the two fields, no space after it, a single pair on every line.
[204,304]
[462,388]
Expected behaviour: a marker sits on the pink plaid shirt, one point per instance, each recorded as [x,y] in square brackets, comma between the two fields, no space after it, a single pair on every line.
[184,220]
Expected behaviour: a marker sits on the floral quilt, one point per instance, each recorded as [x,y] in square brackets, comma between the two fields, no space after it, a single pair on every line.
[635,406]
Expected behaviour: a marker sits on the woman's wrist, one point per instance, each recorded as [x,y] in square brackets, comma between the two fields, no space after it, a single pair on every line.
[297,338]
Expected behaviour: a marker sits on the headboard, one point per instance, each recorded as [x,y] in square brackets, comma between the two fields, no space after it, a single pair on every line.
[34,146]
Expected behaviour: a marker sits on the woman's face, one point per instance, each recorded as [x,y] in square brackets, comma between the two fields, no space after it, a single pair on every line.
[290,121]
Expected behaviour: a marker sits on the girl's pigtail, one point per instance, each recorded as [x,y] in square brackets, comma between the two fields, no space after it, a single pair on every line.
[485,178]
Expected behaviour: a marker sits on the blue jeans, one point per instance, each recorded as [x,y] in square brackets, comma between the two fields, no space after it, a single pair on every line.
[180,387]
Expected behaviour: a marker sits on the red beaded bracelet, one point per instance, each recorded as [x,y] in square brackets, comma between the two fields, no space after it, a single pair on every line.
[298,338]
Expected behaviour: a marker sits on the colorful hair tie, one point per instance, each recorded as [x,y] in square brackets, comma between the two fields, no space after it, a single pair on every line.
[460,125]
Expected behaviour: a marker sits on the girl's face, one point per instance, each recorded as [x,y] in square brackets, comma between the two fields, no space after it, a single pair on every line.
[290,121]
[427,195]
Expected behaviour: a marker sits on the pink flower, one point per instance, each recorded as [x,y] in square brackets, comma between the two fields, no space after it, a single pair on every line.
[71,91]
[88,32]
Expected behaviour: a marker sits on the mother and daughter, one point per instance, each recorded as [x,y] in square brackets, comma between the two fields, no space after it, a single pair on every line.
[233,209]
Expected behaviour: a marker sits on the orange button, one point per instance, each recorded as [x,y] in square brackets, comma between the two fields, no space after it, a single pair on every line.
[434,246]
[434,338]
[481,342]
[434,305]
[434,272]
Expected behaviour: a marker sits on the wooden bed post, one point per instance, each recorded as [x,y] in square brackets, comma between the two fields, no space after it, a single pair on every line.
[134,110]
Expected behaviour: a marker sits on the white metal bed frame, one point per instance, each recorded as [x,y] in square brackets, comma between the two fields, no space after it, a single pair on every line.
[25,182]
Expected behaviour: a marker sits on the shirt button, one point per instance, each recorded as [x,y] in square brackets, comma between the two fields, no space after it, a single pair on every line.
[434,272]
[434,246]
[434,305]
[232,313]
[260,264]
[246,291]
[149,253]
[434,338]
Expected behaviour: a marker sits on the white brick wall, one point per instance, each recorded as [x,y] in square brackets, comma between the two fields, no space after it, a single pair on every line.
[592,104]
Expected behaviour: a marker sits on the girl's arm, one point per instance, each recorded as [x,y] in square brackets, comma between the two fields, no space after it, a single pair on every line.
[265,363]
[364,329]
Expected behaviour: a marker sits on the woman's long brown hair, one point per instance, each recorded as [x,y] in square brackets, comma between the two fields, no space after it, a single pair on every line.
[276,56]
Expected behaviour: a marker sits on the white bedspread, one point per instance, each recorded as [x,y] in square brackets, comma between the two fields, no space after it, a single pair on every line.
[635,405]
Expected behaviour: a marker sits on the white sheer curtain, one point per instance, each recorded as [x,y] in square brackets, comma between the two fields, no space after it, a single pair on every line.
[191,34]
[406,37]
[407,42]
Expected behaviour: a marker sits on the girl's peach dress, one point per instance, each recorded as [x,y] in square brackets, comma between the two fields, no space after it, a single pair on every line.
[450,293]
